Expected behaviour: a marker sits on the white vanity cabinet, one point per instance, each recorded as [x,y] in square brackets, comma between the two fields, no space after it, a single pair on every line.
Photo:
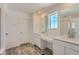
[58,49]
[64,48]
[69,51]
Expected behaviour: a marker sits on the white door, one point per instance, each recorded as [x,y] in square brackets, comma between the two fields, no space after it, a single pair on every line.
[12,30]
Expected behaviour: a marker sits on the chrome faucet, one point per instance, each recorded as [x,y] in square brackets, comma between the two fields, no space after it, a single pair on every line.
[71,33]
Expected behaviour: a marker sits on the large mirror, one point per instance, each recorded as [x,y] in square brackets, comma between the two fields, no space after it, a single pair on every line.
[69,21]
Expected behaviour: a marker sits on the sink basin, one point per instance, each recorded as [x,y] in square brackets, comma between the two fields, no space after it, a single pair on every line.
[46,38]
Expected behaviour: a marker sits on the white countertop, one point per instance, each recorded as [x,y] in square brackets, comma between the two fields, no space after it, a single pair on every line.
[69,40]
[61,38]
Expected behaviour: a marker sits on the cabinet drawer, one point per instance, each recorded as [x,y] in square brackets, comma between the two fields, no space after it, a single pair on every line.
[69,51]
[67,44]
[55,41]
[72,46]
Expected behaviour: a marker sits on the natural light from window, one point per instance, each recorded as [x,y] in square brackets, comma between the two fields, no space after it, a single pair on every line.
[53,23]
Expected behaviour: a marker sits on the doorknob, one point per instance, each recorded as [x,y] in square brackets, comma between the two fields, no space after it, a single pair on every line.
[21,32]
[6,33]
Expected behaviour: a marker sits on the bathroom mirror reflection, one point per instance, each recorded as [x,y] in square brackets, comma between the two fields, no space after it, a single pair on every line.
[69,21]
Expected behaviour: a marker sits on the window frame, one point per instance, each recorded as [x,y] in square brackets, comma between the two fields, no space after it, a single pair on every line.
[49,20]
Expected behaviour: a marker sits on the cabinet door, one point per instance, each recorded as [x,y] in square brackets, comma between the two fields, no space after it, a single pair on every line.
[58,49]
[69,51]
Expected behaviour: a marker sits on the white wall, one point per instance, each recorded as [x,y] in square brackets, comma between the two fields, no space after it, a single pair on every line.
[33,37]
[17,28]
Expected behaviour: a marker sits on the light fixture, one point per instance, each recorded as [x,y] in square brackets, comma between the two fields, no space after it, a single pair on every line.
[43,15]
[39,12]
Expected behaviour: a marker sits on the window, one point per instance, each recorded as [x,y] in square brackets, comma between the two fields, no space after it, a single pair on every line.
[53,21]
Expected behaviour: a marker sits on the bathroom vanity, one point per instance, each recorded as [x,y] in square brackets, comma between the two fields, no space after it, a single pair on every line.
[69,26]
[62,45]
[65,46]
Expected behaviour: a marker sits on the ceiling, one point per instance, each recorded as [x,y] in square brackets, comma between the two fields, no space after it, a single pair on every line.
[28,7]
[74,10]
